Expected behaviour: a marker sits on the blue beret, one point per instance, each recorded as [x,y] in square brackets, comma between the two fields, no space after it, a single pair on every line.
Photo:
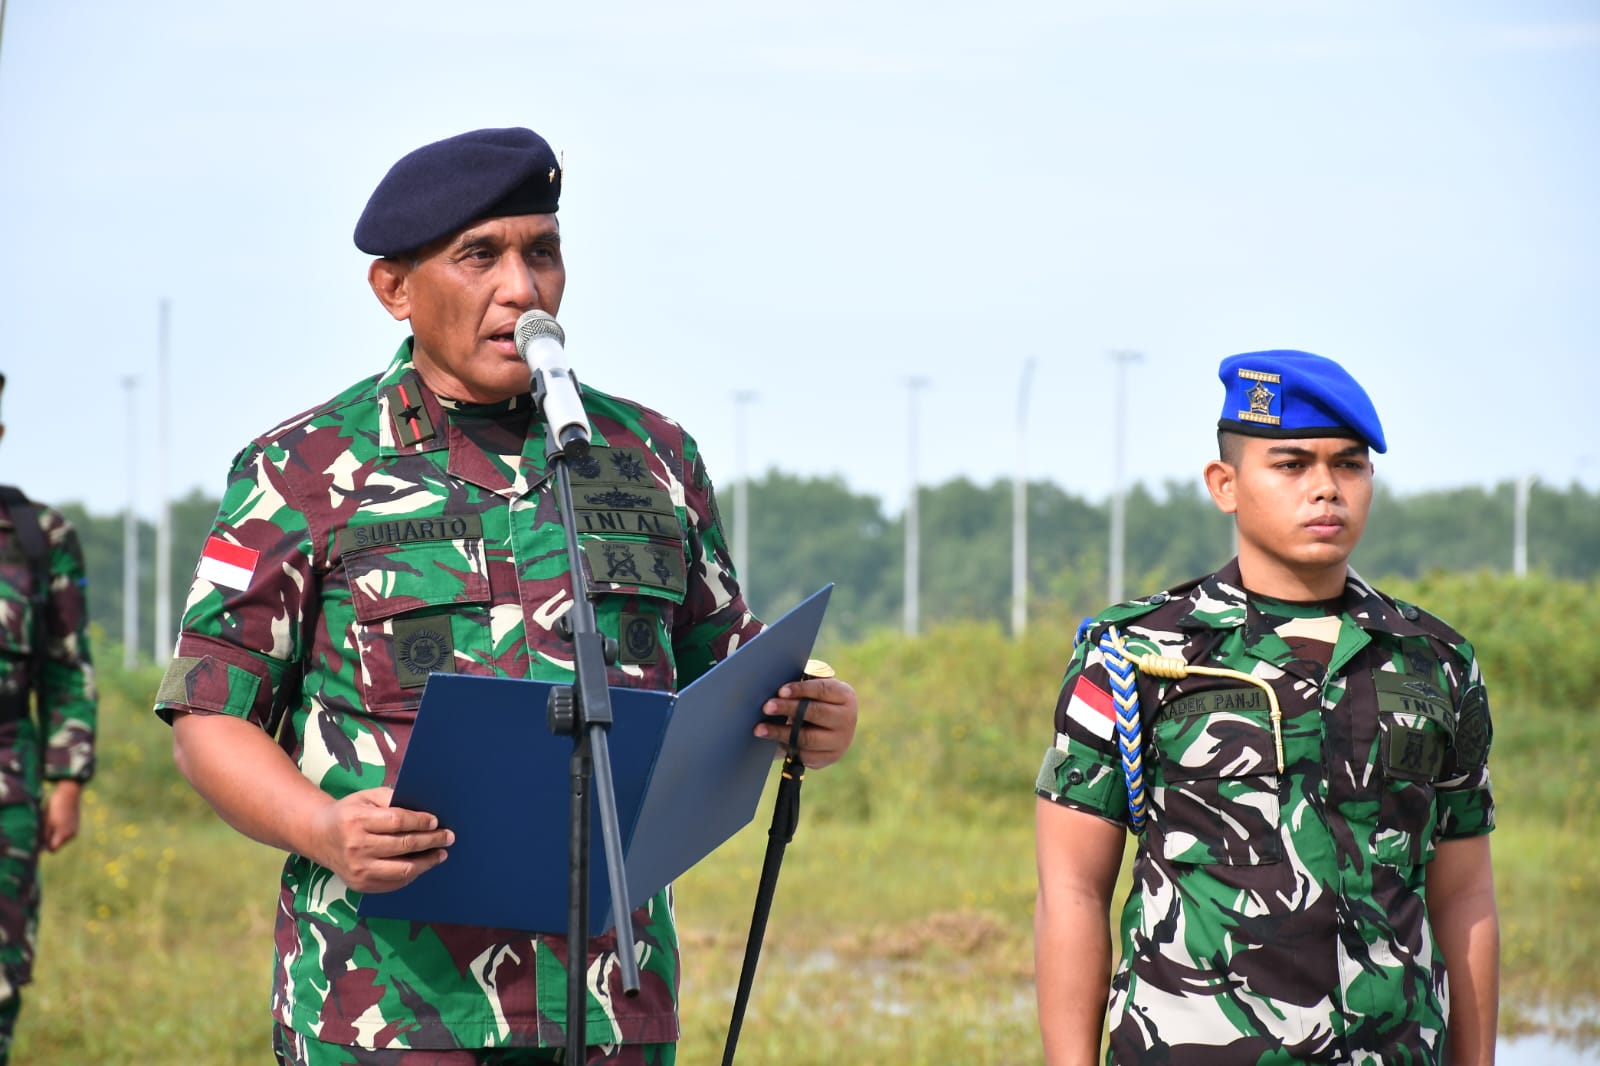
[1295,394]
[443,186]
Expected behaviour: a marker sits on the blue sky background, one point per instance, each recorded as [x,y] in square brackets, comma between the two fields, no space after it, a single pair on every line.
[818,201]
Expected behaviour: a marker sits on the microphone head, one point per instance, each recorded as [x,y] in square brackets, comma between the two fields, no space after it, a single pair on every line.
[534,324]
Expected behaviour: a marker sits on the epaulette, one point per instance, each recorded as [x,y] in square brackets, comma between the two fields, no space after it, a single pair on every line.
[1095,625]
[1424,619]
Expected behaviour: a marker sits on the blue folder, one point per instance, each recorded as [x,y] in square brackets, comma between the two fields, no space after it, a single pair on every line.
[687,773]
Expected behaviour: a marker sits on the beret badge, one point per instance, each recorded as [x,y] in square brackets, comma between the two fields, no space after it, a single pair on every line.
[1260,398]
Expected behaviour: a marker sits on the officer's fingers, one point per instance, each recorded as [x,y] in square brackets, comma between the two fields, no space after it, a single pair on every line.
[388,874]
[818,689]
[387,820]
[413,843]
[827,734]
[822,747]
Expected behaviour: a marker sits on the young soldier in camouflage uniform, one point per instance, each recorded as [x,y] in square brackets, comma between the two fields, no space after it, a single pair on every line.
[44,657]
[1311,885]
[407,526]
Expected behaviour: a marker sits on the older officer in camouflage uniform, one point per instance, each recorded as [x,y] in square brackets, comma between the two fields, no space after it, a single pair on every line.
[44,658]
[1312,880]
[406,526]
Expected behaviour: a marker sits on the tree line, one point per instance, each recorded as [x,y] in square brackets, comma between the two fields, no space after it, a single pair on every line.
[806,531]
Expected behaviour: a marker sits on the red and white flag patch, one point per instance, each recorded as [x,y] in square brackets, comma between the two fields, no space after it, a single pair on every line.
[1091,707]
[227,564]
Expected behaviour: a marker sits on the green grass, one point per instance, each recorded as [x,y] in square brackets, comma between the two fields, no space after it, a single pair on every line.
[902,926]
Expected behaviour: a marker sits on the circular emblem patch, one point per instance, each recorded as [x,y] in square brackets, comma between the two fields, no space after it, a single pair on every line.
[640,638]
[421,652]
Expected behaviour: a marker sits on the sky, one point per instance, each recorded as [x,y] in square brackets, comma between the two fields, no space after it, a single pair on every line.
[868,217]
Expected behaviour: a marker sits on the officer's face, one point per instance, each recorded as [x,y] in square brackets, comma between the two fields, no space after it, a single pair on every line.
[463,297]
[1301,506]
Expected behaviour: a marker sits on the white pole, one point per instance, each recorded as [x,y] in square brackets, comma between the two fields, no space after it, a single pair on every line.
[1118,533]
[1519,526]
[913,534]
[163,631]
[130,537]
[741,495]
[1019,511]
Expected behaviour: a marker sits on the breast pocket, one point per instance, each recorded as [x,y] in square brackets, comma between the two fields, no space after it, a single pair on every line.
[1414,738]
[1216,801]
[1411,750]
[420,607]
[638,586]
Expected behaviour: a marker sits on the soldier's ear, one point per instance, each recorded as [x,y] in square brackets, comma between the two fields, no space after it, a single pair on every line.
[388,278]
[1221,479]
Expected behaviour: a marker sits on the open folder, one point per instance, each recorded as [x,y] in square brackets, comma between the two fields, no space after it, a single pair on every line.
[687,771]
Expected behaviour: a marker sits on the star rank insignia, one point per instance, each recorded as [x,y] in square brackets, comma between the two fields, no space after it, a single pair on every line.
[1260,398]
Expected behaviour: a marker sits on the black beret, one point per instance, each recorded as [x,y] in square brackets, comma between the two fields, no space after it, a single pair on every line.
[443,186]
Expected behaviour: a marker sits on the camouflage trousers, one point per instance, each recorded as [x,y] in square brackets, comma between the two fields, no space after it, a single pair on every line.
[294,1049]
[19,910]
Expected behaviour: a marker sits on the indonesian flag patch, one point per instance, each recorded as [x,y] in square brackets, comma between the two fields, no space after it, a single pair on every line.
[227,564]
[1091,707]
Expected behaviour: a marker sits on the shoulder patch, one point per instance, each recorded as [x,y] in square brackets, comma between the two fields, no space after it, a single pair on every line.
[1474,731]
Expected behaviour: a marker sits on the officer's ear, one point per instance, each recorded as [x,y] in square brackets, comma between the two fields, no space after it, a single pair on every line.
[388,278]
[1221,480]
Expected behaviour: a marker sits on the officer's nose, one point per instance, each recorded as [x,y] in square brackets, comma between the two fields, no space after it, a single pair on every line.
[516,287]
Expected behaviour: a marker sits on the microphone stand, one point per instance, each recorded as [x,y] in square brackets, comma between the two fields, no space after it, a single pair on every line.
[585,715]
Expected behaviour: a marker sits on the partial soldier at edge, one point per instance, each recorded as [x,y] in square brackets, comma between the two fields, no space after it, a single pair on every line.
[47,720]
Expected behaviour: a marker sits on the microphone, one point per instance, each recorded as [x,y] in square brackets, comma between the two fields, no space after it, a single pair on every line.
[539,340]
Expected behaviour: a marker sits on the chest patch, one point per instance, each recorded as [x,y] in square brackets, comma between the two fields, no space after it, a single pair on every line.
[1217,700]
[645,564]
[358,536]
[1414,753]
[640,645]
[1410,694]
[422,646]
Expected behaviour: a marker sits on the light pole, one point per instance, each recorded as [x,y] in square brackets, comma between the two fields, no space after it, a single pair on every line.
[163,631]
[1114,567]
[913,540]
[1519,526]
[741,494]
[130,537]
[1019,511]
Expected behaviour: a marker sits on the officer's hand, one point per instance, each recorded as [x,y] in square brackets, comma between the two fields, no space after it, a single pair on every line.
[375,847]
[830,722]
[60,814]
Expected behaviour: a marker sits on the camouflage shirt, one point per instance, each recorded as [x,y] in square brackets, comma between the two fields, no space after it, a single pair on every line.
[387,534]
[66,693]
[1274,916]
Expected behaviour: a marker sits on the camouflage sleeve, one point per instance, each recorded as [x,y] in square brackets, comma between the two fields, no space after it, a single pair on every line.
[1081,769]
[239,646]
[68,697]
[1465,799]
[715,619]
